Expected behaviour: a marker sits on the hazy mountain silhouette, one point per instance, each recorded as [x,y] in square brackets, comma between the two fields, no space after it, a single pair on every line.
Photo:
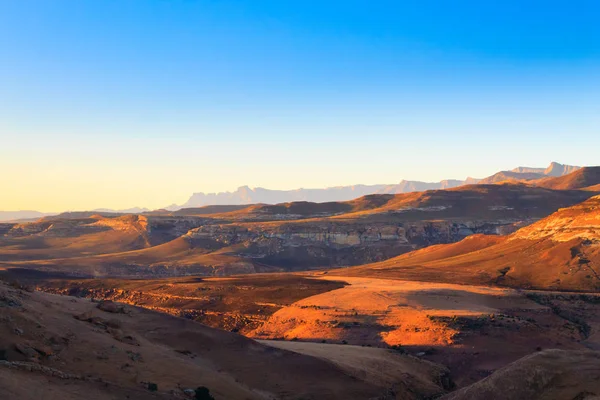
[247,195]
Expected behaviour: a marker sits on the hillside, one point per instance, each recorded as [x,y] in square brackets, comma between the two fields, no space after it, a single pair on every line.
[54,237]
[58,238]
[561,251]
[57,347]
[473,330]
[582,178]
[284,237]
[551,374]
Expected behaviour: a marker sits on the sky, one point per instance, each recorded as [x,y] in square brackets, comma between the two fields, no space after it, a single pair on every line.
[116,104]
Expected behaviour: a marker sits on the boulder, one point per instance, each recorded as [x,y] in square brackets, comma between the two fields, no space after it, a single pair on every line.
[111,307]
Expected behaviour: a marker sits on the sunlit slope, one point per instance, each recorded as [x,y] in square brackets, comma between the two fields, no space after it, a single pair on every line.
[46,239]
[561,251]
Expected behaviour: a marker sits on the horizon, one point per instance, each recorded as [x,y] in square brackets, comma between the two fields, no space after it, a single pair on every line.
[182,205]
[140,104]
[299,199]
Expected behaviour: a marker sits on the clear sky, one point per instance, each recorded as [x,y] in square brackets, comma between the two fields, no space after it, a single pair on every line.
[121,103]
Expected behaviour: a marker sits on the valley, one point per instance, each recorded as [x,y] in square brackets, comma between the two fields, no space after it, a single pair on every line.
[299,200]
[274,238]
[460,326]
[443,290]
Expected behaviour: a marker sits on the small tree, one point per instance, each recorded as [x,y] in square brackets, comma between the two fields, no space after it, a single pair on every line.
[202,393]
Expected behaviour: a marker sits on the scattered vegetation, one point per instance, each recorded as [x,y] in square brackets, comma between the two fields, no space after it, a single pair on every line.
[202,393]
[547,300]
[398,348]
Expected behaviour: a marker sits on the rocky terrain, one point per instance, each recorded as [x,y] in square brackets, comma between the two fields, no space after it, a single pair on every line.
[442,289]
[561,251]
[265,238]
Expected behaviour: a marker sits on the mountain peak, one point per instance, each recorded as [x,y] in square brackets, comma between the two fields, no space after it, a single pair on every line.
[558,169]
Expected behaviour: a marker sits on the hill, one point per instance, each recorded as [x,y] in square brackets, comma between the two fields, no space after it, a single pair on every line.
[587,177]
[561,251]
[509,176]
[57,347]
[54,237]
[550,374]
[472,330]
[557,169]
[284,237]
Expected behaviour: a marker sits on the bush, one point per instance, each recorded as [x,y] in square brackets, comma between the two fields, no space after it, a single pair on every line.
[398,348]
[153,387]
[202,393]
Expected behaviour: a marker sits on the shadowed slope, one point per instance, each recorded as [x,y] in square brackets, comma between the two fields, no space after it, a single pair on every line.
[548,375]
[47,353]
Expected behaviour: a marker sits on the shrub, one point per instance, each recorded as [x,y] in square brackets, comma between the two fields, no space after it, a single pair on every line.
[202,393]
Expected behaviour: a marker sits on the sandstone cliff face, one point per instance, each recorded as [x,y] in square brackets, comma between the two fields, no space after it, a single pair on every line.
[170,227]
[348,234]
[578,222]
[298,245]
[219,246]
[26,229]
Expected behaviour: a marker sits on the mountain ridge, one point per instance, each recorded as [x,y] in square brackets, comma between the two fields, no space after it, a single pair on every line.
[247,195]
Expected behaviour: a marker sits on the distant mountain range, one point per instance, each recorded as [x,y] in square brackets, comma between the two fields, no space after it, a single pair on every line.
[554,169]
[27,215]
[529,174]
[247,195]
[22,215]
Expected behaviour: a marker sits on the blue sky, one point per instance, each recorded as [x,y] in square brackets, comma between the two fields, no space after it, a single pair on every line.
[121,103]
